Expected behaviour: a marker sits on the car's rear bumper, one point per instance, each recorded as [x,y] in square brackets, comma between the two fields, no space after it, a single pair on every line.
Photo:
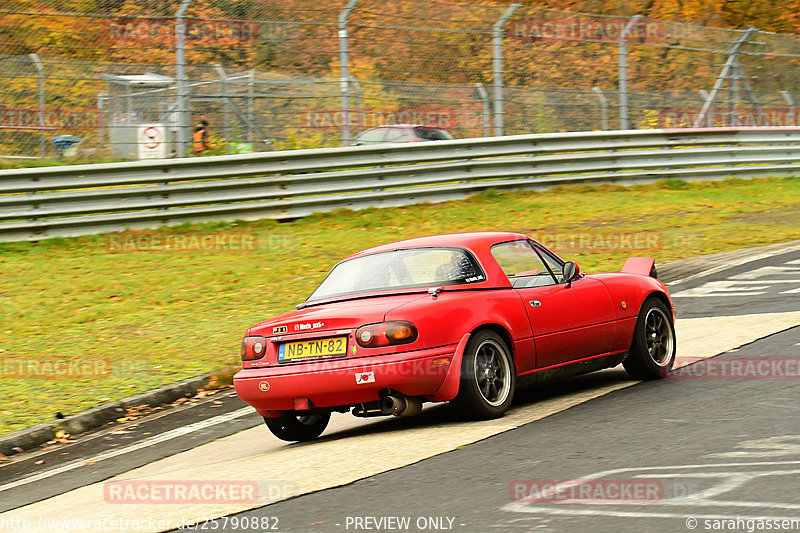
[343,382]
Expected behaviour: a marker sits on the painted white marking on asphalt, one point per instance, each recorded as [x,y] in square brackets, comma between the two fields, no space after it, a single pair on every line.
[777,446]
[719,294]
[766,271]
[742,261]
[736,287]
[767,281]
[720,288]
[730,480]
[169,435]
[634,514]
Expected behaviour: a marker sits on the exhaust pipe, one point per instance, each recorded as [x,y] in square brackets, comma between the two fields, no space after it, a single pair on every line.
[401,406]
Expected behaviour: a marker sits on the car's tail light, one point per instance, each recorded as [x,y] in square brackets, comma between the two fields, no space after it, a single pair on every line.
[253,348]
[386,334]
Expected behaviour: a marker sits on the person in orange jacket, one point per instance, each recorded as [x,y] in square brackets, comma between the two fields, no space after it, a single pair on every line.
[200,138]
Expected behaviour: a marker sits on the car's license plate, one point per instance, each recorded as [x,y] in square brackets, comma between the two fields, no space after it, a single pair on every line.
[312,349]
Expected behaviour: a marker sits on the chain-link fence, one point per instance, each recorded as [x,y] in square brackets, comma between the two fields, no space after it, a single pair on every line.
[126,80]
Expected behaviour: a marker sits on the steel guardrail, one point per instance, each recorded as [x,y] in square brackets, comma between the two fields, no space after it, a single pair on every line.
[72,200]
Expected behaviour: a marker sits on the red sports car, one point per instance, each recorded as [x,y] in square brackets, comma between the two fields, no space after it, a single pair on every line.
[462,318]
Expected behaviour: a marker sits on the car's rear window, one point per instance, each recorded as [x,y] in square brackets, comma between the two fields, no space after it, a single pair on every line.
[370,136]
[413,267]
[432,134]
[394,135]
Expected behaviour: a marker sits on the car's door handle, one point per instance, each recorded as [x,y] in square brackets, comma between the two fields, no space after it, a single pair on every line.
[535,303]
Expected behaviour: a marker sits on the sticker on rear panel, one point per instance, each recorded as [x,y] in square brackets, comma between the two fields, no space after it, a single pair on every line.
[365,377]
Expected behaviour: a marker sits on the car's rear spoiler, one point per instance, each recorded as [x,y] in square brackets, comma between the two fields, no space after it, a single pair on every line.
[646,266]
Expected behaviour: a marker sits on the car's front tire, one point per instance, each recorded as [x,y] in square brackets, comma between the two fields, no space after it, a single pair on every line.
[298,428]
[488,377]
[653,350]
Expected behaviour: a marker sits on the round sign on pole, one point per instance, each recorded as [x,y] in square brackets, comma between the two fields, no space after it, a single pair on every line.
[151,141]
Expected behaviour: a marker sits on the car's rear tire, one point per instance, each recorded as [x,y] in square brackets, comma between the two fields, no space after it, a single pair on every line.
[298,428]
[488,377]
[652,352]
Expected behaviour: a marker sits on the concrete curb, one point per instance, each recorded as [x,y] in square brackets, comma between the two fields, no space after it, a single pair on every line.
[26,439]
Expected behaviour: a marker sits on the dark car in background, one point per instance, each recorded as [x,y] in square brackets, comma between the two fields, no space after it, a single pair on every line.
[401,133]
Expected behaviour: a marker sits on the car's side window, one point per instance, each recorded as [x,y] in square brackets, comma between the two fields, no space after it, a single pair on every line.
[394,135]
[431,134]
[370,136]
[555,265]
[523,266]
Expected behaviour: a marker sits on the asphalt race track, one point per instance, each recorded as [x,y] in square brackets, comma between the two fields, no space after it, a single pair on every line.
[720,448]
[711,448]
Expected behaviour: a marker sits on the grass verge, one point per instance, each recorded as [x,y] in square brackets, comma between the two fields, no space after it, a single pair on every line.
[94,319]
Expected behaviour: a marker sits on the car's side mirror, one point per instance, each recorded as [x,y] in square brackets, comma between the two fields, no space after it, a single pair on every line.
[571,271]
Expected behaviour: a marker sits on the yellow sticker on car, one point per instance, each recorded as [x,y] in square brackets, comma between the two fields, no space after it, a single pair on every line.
[312,349]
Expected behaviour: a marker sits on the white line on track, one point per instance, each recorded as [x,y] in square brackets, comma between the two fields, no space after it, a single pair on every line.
[169,435]
[742,261]
[634,514]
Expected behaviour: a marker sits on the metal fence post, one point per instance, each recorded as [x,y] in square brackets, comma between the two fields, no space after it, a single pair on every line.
[791,120]
[180,73]
[623,72]
[40,75]
[251,105]
[359,94]
[497,67]
[603,107]
[226,115]
[484,96]
[733,54]
[344,62]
